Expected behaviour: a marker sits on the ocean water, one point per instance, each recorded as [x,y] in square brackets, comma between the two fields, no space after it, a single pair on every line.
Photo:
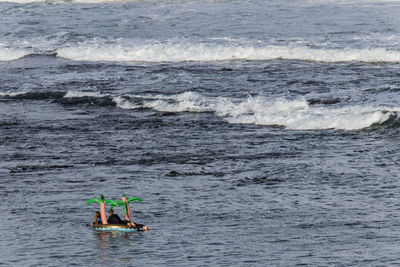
[257,133]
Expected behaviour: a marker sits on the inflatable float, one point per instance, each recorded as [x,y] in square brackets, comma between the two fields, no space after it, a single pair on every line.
[113,227]
[105,226]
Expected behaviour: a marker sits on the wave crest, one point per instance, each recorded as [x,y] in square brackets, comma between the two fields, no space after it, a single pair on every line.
[291,114]
[179,52]
[295,114]
[9,54]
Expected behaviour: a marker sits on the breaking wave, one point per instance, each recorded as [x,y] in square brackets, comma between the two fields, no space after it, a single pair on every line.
[179,1]
[8,54]
[158,52]
[291,114]
[101,51]
[298,114]
[72,1]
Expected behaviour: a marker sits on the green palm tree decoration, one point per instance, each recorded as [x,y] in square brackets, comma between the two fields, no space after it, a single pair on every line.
[115,205]
[125,201]
[102,203]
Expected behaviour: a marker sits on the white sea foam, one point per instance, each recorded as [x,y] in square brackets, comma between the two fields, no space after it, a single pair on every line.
[22,1]
[314,118]
[124,103]
[76,94]
[73,1]
[12,94]
[176,52]
[292,114]
[182,1]
[351,1]
[8,54]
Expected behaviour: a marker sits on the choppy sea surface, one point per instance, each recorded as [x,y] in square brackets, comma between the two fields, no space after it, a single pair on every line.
[257,133]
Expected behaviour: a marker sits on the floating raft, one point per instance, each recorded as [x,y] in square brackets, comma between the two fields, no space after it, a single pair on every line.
[113,227]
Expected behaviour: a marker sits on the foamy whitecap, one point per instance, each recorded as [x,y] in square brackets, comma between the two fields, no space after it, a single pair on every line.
[7,54]
[349,118]
[76,94]
[124,103]
[72,1]
[295,114]
[12,94]
[177,52]
[22,1]
[292,114]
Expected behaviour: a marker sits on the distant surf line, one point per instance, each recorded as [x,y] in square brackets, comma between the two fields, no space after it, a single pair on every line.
[207,53]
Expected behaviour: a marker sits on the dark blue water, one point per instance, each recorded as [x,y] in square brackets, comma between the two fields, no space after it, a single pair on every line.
[261,133]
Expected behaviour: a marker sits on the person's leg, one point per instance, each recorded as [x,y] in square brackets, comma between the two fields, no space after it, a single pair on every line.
[142,227]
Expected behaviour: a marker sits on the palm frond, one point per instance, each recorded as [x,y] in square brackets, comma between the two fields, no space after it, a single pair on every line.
[93,200]
[134,199]
[112,202]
